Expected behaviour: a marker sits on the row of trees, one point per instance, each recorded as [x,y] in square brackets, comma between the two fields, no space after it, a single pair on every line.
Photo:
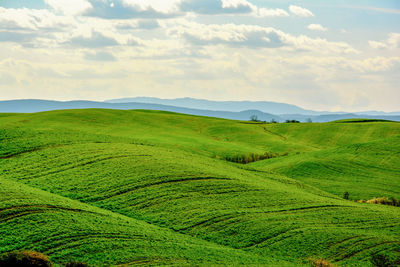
[255,119]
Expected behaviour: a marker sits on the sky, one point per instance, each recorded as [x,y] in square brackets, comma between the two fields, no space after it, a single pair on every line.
[332,55]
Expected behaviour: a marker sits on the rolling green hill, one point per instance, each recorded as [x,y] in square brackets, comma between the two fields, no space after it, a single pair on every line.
[113,187]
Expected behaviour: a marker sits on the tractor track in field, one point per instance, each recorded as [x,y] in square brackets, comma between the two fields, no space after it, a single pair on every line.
[180,180]
[213,220]
[342,253]
[265,239]
[352,254]
[84,164]
[68,241]
[39,148]
[21,211]
[284,138]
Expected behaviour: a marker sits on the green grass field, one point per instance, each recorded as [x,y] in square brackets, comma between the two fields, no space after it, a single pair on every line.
[111,187]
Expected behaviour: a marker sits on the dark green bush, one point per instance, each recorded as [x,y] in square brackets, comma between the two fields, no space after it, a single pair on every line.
[24,259]
[252,157]
[382,260]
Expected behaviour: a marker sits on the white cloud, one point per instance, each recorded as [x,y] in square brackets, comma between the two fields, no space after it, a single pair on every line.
[69,7]
[213,7]
[392,42]
[300,11]
[234,7]
[31,19]
[228,34]
[162,6]
[234,3]
[165,57]
[316,27]
[129,9]
[377,45]
[266,12]
[252,36]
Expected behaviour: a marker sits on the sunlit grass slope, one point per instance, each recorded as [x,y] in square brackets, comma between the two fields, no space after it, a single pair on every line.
[365,170]
[68,230]
[166,172]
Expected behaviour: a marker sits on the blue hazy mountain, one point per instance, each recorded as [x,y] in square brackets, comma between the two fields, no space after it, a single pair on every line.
[36,105]
[235,106]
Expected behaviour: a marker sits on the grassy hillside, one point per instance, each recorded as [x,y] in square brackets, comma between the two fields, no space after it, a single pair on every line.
[69,230]
[164,175]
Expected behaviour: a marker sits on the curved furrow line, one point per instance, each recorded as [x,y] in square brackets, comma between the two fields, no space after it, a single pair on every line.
[180,180]
[284,138]
[308,208]
[45,207]
[58,237]
[8,156]
[150,203]
[269,238]
[209,221]
[23,212]
[84,164]
[352,254]
[339,255]
[341,242]
[71,242]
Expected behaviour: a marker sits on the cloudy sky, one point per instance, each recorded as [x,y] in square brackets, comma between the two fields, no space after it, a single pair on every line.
[324,55]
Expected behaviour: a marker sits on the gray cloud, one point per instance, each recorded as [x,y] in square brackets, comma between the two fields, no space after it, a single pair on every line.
[231,35]
[6,79]
[18,37]
[212,7]
[146,24]
[100,56]
[118,10]
[250,39]
[96,40]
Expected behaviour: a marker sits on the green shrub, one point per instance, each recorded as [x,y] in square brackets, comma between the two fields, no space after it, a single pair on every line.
[382,260]
[292,121]
[252,157]
[24,258]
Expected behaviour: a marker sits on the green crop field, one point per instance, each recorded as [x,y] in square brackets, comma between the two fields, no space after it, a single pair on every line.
[110,187]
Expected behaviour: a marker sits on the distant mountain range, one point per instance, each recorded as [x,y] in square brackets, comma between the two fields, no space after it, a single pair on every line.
[236,106]
[236,110]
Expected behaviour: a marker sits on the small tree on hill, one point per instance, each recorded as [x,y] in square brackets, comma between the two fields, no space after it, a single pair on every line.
[254,118]
[292,121]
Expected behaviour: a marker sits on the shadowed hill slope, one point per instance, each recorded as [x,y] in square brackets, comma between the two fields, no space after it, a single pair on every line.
[167,172]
